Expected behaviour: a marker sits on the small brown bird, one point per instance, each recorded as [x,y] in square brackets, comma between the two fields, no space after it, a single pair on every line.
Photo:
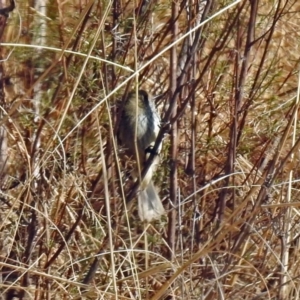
[139,127]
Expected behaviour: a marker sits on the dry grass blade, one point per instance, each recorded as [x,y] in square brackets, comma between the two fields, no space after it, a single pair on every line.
[225,76]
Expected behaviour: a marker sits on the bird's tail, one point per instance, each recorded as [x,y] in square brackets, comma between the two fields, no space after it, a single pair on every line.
[149,204]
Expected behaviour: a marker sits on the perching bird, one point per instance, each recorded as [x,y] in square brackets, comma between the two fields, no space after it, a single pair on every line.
[138,129]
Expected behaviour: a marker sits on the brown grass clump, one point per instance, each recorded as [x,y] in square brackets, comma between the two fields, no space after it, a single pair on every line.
[227,78]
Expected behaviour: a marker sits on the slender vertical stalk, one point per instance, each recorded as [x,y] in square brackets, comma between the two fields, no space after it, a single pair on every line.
[237,103]
[287,224]
[174,138]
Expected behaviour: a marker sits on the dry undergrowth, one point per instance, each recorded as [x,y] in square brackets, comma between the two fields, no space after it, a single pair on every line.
[226,74]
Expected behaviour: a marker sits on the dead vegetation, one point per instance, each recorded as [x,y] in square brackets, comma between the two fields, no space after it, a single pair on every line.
[226,74]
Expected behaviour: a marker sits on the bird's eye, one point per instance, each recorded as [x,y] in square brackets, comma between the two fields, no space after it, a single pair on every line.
[144,95]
